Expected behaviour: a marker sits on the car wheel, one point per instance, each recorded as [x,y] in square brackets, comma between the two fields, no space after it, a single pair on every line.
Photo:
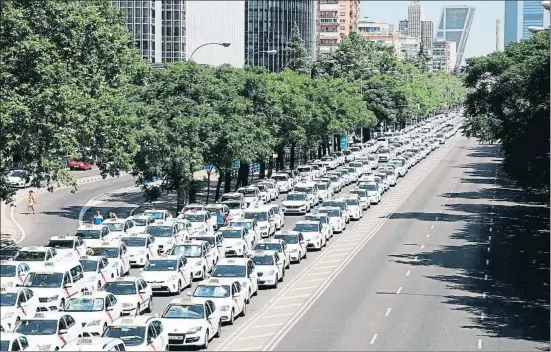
[204,273]
[305,254]
[276,282]
[206,344]
[104,327]
[232,317]
[282,275]
[99,285]
[219,330]
[299,257]
[179,289]
[244,311]
[61,305]
[138,310]
[149,308]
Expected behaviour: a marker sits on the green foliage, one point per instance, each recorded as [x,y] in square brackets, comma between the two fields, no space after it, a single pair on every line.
[297,51]
[509,102]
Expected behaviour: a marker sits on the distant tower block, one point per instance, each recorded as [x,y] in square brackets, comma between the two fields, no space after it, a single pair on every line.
[498,33]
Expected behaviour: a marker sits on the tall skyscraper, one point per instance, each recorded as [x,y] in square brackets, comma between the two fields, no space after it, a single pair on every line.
[403,26]
[427,30]
[511,23]
[336,19]
[454,26]
[416,15]
[268,26]
[532,15]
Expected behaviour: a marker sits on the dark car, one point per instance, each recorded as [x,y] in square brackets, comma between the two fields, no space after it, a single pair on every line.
[8,252]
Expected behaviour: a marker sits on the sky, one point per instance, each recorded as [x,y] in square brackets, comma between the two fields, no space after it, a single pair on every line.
[482,37]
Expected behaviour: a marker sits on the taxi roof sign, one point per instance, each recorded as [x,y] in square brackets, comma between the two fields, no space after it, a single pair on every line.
[84,341]
[49,264]
[33,248]
[61,236]
[127,321]
[83,257]
[89,226]
[214,281]
[39,315]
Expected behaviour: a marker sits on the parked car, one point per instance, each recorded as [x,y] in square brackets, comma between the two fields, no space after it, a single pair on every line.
[80,165]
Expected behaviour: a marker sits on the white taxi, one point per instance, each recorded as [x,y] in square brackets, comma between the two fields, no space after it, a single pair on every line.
[171,273]
[141,247]
[251,195]
[279,216]
[216,242]
[236,241]
[158,214]
[134,294]
[49,331]
[16,303]
[192,322]
[93,235]
[364,197]
[67,245]
[94,344]
[13,274]
[55,283]
[94,311]
[354,206]
[312,232]
[97,271]
[252,233]
[266,222]
[284,183]
[143,333]
[296,203]
[35,257]
[229,299]
[200,256]
[295,243]
[373,191]
[269,267]
[229,270]
[263,194]
[323,219]
[141,222]
[14,342]
[275,245]
[236,208]
[167,234]
[200,220]
[271,188]
[119,227]
[115,252]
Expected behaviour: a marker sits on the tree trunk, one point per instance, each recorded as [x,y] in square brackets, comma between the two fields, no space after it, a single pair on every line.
[281,158]
[227,181]
[193,187]
[321,148]
[242,175]
[292,157]
[208,186]
[221,176]
[180,199]
[262,171]
[270,167]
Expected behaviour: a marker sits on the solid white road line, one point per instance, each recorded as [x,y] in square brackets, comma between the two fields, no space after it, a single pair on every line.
[388,312]
[256,336]
[288,306]
[277,315]
[296,297]
[12,218]
[266,326]
[373,339]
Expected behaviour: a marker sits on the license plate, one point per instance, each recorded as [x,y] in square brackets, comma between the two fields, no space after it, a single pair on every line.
[176,337]
[156,286]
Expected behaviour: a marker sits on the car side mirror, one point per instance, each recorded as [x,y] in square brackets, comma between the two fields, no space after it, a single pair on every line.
[62,331]
[211,316]
[143,292]
[68,285]
[110,308]
[235,295]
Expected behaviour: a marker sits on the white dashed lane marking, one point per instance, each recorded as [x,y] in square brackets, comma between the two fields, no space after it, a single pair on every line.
[388,312]
[399,290]
[373,339]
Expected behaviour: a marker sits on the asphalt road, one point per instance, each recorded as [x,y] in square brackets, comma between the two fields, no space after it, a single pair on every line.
[82,173]
[393,293]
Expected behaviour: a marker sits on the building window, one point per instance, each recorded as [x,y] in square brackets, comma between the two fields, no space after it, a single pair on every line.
[343,28]
[342,21]
[343,13]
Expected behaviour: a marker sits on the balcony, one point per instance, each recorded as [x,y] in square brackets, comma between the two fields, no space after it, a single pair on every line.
[329,7]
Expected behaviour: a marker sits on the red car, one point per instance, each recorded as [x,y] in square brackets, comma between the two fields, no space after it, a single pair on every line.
[80,165]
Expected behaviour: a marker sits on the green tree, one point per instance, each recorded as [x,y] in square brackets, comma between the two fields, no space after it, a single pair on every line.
[297,51]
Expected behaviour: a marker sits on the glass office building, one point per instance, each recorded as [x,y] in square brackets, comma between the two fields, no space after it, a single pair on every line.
[268,26]
[511,24]
[454,26]
[532,15]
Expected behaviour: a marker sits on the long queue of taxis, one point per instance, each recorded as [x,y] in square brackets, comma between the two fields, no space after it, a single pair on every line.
[74,293]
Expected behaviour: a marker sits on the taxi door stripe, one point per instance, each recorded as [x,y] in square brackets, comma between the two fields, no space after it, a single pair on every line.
[62,339]
[23,310]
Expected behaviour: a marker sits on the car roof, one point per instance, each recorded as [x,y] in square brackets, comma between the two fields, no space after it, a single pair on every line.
[90,227]
[63,237]
[35,249]
[233,261]
[137,320]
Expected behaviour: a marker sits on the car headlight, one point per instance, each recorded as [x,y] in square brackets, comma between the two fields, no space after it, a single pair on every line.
[271,272]
[44,347]
[194,330]
[225,308]
[128,305]
[293,250]
[263,227]
[172,277]
[199,262]
[94,322]
[53,298]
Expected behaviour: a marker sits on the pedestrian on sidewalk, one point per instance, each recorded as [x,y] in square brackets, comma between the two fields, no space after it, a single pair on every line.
[32,202]
[98,218]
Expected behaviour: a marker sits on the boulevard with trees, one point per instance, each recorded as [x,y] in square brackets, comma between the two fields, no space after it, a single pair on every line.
[72,83]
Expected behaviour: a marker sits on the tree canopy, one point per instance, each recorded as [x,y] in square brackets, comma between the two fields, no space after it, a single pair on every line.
[508,102]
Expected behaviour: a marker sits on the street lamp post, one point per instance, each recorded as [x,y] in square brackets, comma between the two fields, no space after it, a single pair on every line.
[269,52]
[225,45]
[296,59]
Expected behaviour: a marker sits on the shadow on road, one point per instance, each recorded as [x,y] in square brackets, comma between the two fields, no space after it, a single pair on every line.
[512,288]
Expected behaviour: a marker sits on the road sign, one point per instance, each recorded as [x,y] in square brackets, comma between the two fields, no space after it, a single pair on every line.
[254,167]
[208,167]
[344,142]
[237,164]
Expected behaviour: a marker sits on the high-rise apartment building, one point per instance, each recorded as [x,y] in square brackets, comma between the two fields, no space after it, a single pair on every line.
[268,26]
[170,30]
[444,56]
[337,18]
[427,30]
[416,15]
[409,46]
[511,23]
[532,15]
[403,26]
[381,33]
[454,26]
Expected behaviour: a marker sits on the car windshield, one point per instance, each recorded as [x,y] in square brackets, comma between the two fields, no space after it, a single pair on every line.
[326,158]
[296,196]
[193,208]
[396,162]
[332,212]
[60,244]
[318,218]
[191,311]
[134,241]
[89,266]
[383,151]
[47,280]
[258,216]
[17,173]
[275,209]
[334,204]
[131,335]
[194,217]
[289,239]
[7,253]
[30,256]
[372,157]
[261,188]
[359,192]
[231,233]
[322,186]
[157,215]
[8,299]
[356,165]
[248,192]
[347,152]
[114,226]
[351,201]
[247,225]
[140,222]
[212,291]
[229,271]
[37,327]
[188,251]
[267,247]
[7,270]
[209,239]
[263,260]
[226,197]
[4,345]
[89,234]
[214,210]
[108,252]
[334,178]
[160,265]
[84,304]
[280,177]
[306,227]
[120,288]
[159,231]
[233,205]
[303,189]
